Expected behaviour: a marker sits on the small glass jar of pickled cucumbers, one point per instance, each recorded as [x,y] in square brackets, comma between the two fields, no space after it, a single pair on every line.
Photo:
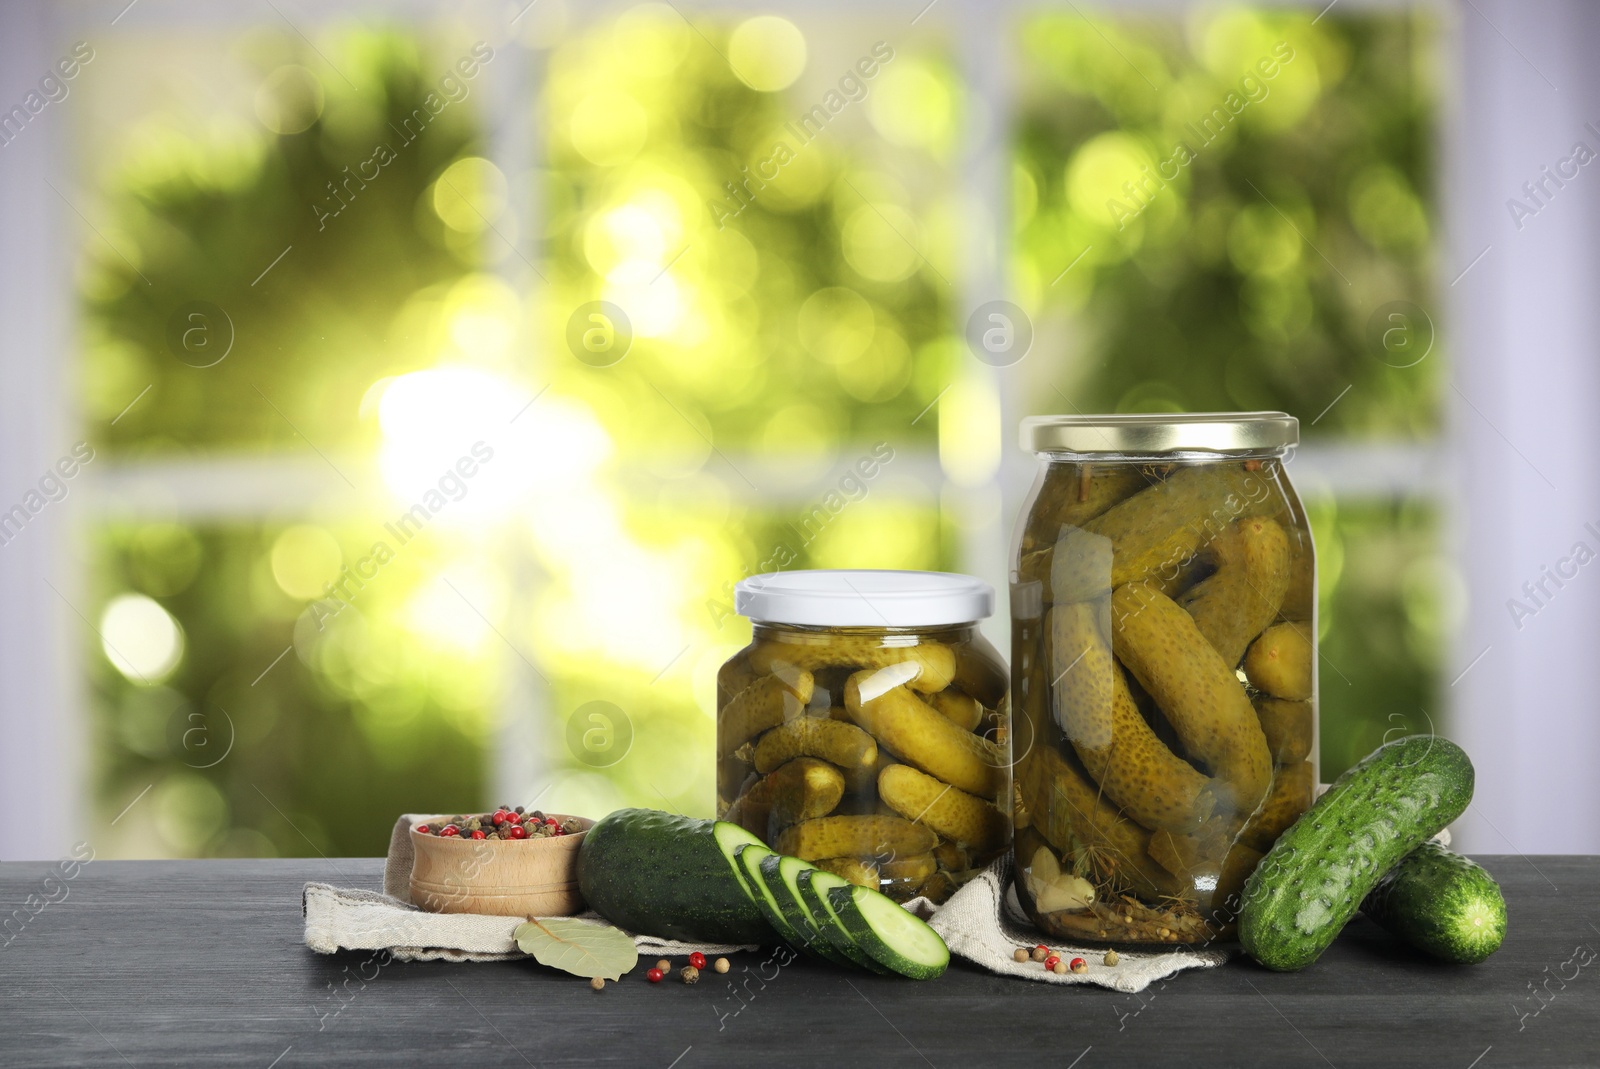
[1163,658]
[866,727]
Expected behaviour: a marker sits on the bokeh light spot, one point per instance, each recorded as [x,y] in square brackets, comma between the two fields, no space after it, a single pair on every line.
[140,638]
[289,100]
[304,560]
[608,128]
[767,53]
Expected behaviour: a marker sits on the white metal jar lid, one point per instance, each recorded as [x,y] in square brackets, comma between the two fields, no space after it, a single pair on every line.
[864,598]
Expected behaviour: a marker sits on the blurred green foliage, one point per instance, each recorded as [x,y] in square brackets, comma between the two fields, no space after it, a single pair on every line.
[787,337]
[201,209]
[1263,222]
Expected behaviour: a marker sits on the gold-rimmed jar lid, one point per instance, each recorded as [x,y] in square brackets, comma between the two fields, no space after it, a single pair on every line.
[1145,433]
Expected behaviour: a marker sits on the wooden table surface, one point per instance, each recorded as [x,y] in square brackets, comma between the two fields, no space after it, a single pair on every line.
[202,963]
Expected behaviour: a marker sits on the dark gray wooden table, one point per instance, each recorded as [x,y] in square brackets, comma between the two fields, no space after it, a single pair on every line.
[202,963]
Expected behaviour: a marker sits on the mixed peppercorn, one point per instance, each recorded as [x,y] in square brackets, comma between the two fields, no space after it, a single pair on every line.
[1052,961]
[689,973]
[507,822]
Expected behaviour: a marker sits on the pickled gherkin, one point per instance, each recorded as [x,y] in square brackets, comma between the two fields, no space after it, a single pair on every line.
[1163,656]
[874,743]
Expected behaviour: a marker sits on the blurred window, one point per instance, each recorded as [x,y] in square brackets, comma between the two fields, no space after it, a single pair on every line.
[444,377]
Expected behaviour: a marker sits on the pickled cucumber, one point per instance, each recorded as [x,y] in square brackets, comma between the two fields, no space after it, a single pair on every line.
[977,676]
[1300,598]
[1074,494]
[1279,662]
[1244,594]
[766,703]
[954,814]
[1159,531]
[1287,726]
[935,662]
[916,732]
[1292,788]
[916,867]
[851,869]
[876,837]
[1199,694]
[962,711]
[951,856]
[799,790]
[1097,715]
[1069,811]
[841,744]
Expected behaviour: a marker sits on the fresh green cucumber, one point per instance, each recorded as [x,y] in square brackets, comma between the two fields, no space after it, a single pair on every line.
[780,872]
[814,885]
[1441,903]
[889,934]
[655,873]
[1313,879]
[749,857]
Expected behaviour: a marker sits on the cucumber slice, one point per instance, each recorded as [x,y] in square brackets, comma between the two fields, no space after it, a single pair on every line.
[749,856]
[814,885]
[779,872]
[729,838]
[890,935]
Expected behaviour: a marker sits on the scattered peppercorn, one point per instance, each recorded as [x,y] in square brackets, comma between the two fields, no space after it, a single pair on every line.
[1041,952]
[1111,957]
[1052,961]
[690,974]
[698,960]
[598,984]
[1022,954]
[721,965]
[654,976]
[1079,965]
[1060,968]
[665,965]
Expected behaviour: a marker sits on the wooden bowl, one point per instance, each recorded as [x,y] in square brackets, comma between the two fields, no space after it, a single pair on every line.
[506,878]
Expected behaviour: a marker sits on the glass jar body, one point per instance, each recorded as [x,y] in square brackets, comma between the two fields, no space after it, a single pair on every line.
[1164,677]
[879,754]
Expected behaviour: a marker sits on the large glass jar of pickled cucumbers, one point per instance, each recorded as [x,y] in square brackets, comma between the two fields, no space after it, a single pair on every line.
[1163,639]
[866,727]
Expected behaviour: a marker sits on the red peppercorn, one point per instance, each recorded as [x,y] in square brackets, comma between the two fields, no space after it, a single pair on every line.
[423,828]
[1042,947]
[1050,962]
[478,834]
[449,829]
[499,817]
[553,822]
[518,832]
[698,960]
[1079,965]
[654,976]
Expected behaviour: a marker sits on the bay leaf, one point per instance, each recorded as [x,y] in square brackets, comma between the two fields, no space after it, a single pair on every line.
[581,948]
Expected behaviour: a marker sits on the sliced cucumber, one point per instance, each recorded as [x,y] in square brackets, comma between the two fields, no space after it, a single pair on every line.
[890,935]
[749,856]
[729,838]
[814,885]
[660,874]
[780,872]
